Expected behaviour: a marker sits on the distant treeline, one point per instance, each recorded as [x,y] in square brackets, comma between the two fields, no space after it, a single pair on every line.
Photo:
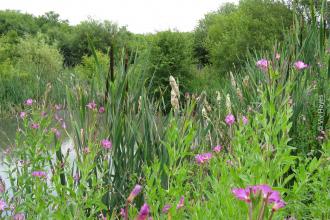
[45,45]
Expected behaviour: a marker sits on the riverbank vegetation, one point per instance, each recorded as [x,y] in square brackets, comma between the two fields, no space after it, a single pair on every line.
[227,122]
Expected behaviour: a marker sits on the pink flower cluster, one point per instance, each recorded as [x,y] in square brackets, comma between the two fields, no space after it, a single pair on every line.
[40,174]
[272,196]
[203,158]
[263,64]
[106,144]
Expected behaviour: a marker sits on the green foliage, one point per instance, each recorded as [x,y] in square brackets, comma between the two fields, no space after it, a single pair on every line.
[169,54]
[27,65]
[89,69]
[226,36]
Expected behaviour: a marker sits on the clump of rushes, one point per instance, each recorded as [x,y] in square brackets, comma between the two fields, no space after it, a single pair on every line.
[252,194]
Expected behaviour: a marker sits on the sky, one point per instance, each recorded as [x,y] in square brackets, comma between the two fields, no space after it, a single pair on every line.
[140,16]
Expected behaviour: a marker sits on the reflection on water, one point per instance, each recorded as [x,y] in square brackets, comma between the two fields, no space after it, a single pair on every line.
[8,128]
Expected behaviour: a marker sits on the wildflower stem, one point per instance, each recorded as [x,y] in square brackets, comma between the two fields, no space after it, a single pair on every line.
[250,211]
[262,210]
[271,215]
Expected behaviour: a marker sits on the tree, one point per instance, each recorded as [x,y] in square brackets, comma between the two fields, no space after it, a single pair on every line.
[170,54]
[233,31]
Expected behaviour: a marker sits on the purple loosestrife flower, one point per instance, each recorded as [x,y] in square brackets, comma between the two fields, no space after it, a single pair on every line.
[91,105]
[242,194]
[278,204]
[217,148]
[122,212]
[56,132]
[181,203]
[274,196]
[58,107]
[40,174]
[106,144]
[230,119]
[29,102]
[203,158]
[101,109]
[264,189]
[262,64]
[19,216]
[86,150]
[22,115]
[166,208]
[3,205]
[300,65]
[137,189]
[245,120]
[35,125]
[144,212]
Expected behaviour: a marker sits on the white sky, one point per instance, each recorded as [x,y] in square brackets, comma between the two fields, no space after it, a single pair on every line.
[141,16]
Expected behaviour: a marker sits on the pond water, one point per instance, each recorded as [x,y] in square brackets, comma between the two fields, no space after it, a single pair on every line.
[8,129]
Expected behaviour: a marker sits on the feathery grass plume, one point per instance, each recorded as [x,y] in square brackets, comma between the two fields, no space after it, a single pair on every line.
[239,94]
[232,79]
[218,97]
[140,103]
[246,81]
[175,93]
[228,103]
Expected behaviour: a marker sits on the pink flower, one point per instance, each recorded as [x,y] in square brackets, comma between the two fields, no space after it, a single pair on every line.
[43,114]
[230,119]
[106,144]
[181,203]
[144,212]
[19,216]
[40,174]
[63,125]
[76,177]
[3,205]
[245,120]
[29,102]
[203,158]
[277,56]
[278,204]
[91,105]
[217,148]
[137,189]
[242,194]
[262,64]
[22,115]
[264,189]
[101,109]
[35,125]
[300,65]
[58,107]
[86,150]
[56,132]
[122,213]
[166,208]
